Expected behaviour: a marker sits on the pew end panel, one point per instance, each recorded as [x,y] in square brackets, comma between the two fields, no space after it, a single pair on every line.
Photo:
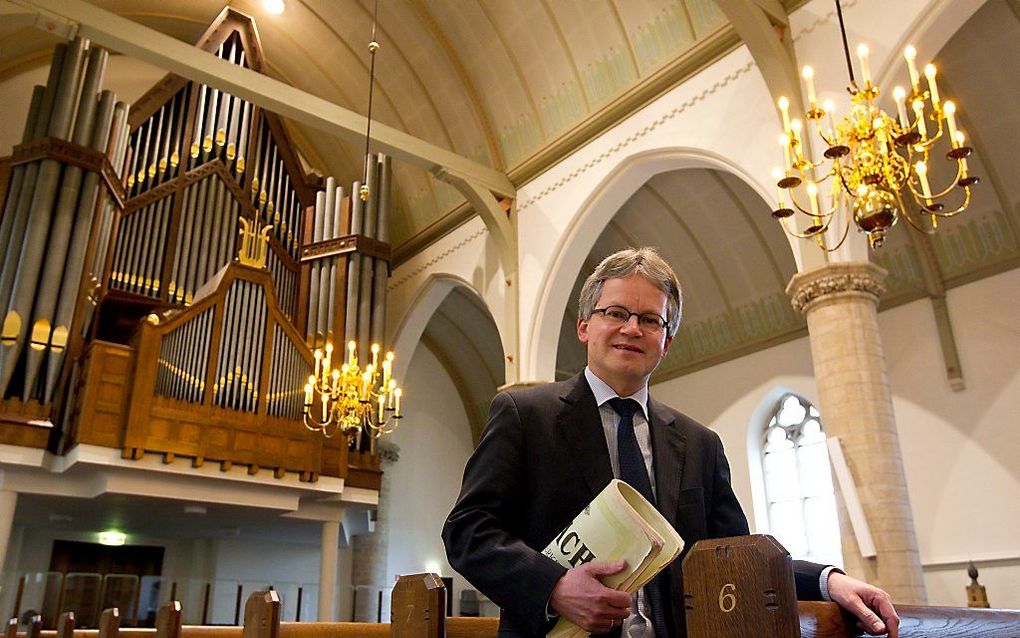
[740,586]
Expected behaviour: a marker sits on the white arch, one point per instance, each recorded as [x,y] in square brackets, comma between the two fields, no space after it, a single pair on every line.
[929,32]
[429,296]
[587,224]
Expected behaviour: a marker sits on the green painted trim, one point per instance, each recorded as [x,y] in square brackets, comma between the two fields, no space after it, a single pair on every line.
[700,56]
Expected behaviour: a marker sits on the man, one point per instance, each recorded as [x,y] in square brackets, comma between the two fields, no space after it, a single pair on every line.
[548,451]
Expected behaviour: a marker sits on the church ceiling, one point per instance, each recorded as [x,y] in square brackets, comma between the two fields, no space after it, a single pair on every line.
[734,262]
[511,85]
[505,83]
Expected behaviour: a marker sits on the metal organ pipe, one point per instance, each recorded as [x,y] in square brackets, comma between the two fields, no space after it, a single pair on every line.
[65,254]
[18,221]
[367,263]
[318,224]
[325,292]
[18,173]
[381,273]
[337,232]
[40,215]
[354,267]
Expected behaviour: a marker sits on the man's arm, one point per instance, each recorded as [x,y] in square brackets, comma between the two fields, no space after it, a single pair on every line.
[479,533]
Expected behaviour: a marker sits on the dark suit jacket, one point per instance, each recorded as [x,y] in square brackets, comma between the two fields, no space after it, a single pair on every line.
[542,458]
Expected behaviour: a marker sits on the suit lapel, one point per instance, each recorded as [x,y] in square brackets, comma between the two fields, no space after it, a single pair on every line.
[581,426]
[669,447]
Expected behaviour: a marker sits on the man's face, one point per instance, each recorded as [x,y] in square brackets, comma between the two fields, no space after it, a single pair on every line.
[624,355]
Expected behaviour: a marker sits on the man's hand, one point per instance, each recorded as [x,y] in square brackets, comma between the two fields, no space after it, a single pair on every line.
[580,598]
[872,606]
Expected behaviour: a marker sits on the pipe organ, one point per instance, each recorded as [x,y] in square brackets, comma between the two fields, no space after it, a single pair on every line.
[129,319]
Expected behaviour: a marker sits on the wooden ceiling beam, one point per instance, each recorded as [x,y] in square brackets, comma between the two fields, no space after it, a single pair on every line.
[68,18]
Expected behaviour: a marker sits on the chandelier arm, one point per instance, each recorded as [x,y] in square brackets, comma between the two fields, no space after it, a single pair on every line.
[808,213]
[846,231]
[804,166]
[952,184]
[929,140]
[318,426]
[797,207]
[913,224]
[918,197]
[953,213]
[798,235]
[826,178]
[910,218]
[846,187]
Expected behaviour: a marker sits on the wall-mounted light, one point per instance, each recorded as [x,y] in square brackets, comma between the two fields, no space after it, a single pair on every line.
[112,537]
[274,6]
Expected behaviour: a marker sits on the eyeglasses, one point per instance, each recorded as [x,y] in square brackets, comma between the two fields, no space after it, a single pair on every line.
[618,315]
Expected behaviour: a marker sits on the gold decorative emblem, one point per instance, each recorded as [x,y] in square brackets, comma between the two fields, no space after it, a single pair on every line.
[254,243]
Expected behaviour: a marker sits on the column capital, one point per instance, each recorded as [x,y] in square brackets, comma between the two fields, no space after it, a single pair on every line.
[858,278]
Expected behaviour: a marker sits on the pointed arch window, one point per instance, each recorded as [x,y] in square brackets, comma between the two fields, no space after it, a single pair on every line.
[798,483]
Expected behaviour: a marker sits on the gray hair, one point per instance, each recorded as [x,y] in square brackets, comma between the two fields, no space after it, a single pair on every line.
[641,261]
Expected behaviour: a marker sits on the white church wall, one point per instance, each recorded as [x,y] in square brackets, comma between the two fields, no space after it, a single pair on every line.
[255,565]
[961,450]
[719,118]
[36,551]
[467,256]
[435,442]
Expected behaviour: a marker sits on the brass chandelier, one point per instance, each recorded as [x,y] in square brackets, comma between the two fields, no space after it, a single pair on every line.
[874,166]
[350,399]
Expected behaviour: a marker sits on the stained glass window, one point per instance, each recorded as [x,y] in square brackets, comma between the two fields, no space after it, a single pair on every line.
[798,483]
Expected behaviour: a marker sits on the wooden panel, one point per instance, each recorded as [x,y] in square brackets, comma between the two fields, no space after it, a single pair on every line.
[418,607]
[103,396]
[734,584]
[24,434]
[363,470]
[14,411]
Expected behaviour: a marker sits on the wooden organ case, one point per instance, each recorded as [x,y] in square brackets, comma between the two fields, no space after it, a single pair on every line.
[174,346]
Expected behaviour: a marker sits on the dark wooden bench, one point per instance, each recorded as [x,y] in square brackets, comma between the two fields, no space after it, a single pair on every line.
[418,611]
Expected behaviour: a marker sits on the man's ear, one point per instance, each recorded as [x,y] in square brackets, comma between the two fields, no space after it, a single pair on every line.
[582,331]
[665,346]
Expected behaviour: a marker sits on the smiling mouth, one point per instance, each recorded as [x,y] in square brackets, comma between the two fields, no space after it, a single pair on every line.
[628,348]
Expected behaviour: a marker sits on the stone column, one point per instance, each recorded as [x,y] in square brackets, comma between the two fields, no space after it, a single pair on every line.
[328,569]
[370,551]
[840,302]
[8,502]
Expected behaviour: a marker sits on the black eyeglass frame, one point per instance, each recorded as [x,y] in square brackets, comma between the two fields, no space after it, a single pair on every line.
[661,323]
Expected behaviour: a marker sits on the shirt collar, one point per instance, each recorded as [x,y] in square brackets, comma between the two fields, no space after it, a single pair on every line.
[603,393]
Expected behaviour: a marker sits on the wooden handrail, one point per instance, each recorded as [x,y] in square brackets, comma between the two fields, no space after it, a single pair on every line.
[262,620]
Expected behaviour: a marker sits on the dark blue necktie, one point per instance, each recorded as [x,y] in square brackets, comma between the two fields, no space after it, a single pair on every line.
[634,472]
[632,463]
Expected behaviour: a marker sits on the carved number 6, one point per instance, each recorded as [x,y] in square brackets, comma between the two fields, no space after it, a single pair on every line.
[727,601]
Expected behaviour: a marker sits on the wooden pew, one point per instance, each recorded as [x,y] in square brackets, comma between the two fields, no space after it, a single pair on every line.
[418,611]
